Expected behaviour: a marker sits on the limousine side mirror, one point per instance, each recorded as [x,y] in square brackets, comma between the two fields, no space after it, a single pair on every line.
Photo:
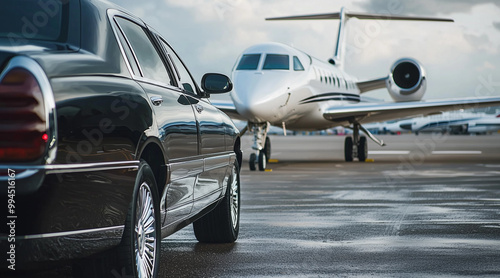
[216,83]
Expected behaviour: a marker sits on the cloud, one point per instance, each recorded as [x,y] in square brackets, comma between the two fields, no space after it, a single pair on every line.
[496,25]
[426,7]
[210,34]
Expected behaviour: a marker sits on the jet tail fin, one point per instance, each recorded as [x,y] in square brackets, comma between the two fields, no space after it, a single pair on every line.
[344,16]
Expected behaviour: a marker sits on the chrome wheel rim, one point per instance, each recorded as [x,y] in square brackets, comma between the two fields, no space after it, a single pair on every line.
[235,202]
[145,233]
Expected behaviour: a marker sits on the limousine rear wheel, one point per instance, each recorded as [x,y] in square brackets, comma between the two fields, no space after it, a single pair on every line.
[222,224]
[140,248]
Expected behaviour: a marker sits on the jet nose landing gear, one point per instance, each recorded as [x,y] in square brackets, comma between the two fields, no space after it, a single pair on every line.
[261,145]
[258,159]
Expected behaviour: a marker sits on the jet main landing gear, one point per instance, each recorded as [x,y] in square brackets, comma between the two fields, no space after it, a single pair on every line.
[352,150]
[357,146]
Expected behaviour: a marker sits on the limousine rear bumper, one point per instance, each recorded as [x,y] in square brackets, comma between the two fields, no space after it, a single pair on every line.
[63,212]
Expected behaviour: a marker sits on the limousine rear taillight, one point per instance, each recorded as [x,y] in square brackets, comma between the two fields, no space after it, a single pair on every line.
[23,127]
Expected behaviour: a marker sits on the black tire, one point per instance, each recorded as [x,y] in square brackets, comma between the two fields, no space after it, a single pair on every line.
[262,160]
[222,224]
[267,149]
[145,195]
[252,161]
[362,149]
[348,149]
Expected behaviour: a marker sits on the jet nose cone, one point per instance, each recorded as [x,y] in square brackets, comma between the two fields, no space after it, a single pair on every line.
[250,103]
[259,95]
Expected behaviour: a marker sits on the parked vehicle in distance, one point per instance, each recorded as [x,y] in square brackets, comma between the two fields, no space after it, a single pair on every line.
[107,143]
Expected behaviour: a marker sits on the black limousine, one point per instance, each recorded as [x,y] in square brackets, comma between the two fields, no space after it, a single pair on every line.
[107,144]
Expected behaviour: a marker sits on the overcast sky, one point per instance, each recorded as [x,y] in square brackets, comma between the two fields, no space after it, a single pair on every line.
[461,59]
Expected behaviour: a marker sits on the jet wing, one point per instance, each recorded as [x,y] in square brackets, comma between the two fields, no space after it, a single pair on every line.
[380,112]
[228,108]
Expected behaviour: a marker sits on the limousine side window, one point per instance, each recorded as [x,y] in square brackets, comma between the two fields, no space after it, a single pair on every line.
[128,53]
[150,62]
[185,80]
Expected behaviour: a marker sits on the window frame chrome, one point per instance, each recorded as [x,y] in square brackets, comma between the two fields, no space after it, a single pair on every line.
[112,13]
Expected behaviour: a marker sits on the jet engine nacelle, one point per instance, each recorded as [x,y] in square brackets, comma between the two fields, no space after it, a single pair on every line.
[406,80]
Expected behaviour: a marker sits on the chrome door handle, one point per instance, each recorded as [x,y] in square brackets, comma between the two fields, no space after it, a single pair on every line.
[157,100]
[198,108]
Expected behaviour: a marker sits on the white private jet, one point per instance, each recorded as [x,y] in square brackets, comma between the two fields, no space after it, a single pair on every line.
[278,85]
[455,123]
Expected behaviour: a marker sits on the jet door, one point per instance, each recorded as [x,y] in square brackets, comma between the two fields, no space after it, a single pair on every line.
[209,185]
[175,120]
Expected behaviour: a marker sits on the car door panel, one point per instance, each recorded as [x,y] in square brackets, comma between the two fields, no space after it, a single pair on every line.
[211,131]
[211,135]
[208,187]
[178,134]
[174,118]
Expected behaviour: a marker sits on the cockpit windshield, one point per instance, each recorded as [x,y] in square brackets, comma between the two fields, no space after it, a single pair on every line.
[249,62]
[297,65]
[276,62]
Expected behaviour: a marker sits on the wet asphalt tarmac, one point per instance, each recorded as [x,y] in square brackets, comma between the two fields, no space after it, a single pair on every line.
[427,206]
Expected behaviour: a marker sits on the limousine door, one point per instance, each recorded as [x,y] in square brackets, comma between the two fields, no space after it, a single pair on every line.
[174,117]
[179,135]
[208,186]
[213,149]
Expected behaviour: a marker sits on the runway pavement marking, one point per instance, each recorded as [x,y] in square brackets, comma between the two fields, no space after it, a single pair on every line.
[457,152]
[388,152]
[433,152]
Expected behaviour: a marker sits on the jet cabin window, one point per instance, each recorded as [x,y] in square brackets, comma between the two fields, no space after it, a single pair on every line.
[249,62]
[276,62]
[297,65]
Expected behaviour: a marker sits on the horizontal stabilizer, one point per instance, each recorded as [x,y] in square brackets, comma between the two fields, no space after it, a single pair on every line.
[344,15]
[360,16]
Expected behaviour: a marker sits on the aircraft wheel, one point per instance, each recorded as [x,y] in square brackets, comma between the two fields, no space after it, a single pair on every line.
[252,161]
[262,160]
[348,149]
[362,149]
[267,149]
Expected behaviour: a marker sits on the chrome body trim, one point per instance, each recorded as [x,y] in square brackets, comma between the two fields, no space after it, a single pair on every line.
[184,169]
[42,248]
[215,162]
[72,233]
[70,168]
